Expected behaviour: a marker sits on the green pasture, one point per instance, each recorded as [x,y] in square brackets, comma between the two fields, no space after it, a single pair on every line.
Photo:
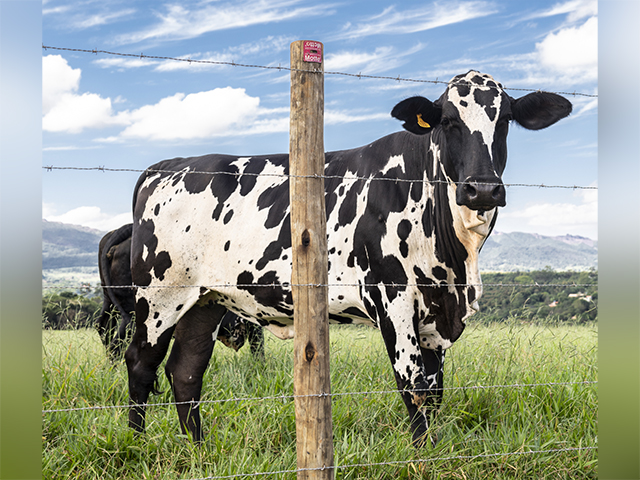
[483,432]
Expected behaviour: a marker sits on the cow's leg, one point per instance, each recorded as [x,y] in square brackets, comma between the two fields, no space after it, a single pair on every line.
[194,339]
[119,339]
[256,340]
[434,366]
[106,322]
[411,376]
[143,360]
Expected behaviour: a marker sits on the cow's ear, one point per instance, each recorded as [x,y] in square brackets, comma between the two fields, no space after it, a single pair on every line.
[539,110]
[419,114]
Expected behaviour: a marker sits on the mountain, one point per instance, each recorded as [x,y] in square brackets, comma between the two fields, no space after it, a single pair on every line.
[66,246]
[508,252]
[69,250]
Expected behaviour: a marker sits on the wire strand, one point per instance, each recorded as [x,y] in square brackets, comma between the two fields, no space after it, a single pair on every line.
[50,168]
[234,64]
[289,285]
[292,396]
[402,462]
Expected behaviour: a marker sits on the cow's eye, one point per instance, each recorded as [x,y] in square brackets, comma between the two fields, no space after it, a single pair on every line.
[445,122]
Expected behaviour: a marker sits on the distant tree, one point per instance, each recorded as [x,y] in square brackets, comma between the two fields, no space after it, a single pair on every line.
[65,310]
[524,279]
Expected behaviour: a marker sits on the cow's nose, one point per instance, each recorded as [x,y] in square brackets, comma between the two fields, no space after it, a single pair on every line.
[482,195]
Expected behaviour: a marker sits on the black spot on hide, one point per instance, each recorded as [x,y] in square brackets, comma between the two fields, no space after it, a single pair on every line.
[439,272]
[444,307]
[272,296]
[161,264]
[276,199]
[275,249]
[142,311]
[485,98]
[247,182]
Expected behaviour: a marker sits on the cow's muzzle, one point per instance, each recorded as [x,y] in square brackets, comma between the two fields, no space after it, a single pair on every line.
[481,194]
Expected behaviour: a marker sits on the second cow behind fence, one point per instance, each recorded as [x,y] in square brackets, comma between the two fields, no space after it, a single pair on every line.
[114,253]
[406,218]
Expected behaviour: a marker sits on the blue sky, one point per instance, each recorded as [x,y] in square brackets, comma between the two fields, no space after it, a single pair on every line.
[122,112]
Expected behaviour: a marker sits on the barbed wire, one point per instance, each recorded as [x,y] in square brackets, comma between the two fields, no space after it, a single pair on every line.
[197,403]
[289,285]
[400,462]
[279,67]
[50,168]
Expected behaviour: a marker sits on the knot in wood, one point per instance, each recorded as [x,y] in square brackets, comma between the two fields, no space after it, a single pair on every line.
[309,352]
[306,238]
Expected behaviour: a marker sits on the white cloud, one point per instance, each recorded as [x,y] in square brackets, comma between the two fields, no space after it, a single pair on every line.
[101,18]
[63,109]
[391,21]
[380,60]
[555,218]
[582,106]
[173,65]
[335,117]
[74,113]
[82,15]
[577,10]
[58,79]
[124,62]
[87,216]
[219,112]
[199,61]
[563,59]
[179,22]
[197,115]
[572,52]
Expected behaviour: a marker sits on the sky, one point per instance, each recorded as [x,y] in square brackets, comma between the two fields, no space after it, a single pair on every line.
[118,112]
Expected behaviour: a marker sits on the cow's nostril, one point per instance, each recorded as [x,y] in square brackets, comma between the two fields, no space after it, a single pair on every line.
[497,192]
[471,191]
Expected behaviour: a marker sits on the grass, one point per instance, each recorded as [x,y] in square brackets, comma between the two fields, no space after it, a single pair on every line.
[249,436]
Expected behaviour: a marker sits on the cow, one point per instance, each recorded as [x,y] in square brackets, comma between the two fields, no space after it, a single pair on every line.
[406,217]
[114,254]
[114,267]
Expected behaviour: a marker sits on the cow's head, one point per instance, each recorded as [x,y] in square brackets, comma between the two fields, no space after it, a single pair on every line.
[469,123]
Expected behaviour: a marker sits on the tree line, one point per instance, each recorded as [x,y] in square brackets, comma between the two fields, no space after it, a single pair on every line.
[527,296]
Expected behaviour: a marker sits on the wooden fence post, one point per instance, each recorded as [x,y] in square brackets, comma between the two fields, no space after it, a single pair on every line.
[314,429]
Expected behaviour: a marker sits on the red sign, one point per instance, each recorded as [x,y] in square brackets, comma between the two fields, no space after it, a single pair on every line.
[312,51]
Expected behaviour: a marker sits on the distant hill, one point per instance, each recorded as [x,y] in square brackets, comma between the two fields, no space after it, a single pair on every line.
[67,246]
[509,252]
[71,251]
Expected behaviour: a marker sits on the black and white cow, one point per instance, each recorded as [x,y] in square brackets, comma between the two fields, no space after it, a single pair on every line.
[405,252]
[114,265]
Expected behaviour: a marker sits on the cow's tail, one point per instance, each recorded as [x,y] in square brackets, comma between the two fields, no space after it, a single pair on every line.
[116,237]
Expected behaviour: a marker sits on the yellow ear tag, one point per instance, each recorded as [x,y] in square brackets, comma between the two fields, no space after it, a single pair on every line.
[421,122]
